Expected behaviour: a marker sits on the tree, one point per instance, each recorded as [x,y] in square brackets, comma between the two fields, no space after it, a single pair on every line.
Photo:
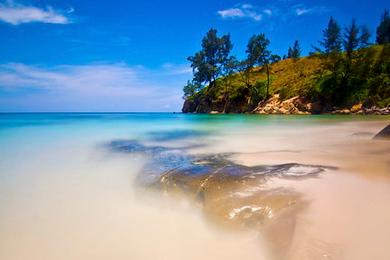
[229,68]
[258,54]
[295,51]
[189,89]
[383,29]
[351,39]
[207,64]
[365,36]
[332,38]
[275,58]
[244,69]
[289,53]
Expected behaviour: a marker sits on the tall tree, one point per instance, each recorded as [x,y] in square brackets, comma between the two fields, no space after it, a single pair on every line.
[229,68]
[332,37]
[295,51]
[365,36]
[189,89]
[289,53]
[383,30]
[275,58]
[208,63]
[258,54]
[351,39]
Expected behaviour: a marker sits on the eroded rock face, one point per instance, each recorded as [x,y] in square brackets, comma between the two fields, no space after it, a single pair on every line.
[292,106]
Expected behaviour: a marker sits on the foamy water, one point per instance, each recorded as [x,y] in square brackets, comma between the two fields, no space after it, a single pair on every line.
[65,195]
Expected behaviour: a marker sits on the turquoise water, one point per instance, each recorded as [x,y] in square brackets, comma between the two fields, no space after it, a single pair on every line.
[64,194]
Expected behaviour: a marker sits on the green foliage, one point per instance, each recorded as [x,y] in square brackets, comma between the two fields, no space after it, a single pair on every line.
[258,92]
[332,38]
[359,74]
[257,50]
[379,80]
[351,39]
[189,89]
[208,63]
[364,37]
[259,54]
[295,51]
[383,30]
[275,58]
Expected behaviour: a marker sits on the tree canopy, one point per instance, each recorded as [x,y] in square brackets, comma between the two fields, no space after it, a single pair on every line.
[208,63]
[383,29]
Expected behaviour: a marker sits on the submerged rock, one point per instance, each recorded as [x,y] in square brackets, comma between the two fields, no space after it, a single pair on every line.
[226,190]
[229,194]
[384,134]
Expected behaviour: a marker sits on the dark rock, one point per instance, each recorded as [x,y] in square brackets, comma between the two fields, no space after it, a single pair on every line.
[384,134]
[176,135]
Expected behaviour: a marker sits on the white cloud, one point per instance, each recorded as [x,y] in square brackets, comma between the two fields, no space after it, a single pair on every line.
[94,87]
[247,6]
[243,11]
[16,14]
[231,13]
[301,10]
[267,11]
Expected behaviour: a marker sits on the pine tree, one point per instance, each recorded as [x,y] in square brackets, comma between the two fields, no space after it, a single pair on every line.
[383,30]
[289,53]
[296,50]
[332,37]
[208,63]
[351,39]
[258,54]
[365,36]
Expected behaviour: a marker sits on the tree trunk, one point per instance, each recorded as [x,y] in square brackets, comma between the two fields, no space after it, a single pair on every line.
[267,67]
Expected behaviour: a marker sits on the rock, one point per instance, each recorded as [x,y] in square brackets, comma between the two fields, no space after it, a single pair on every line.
[341,112]
[214,112]
[356,108]
[384,134]
[291,106]
[375,111]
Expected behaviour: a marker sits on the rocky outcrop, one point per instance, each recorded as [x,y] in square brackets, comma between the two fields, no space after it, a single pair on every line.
[276,106]
[292,106]
[360,110]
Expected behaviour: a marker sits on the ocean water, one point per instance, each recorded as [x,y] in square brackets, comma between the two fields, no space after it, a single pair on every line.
[70,186]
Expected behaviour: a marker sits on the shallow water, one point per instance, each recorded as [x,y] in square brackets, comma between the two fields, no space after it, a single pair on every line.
[95,186]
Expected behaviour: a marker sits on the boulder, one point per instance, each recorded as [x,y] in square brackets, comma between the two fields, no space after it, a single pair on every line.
[356,108]
[384,134]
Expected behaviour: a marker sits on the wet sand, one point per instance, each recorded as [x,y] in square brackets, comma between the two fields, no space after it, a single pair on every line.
[285,190]
[339,213]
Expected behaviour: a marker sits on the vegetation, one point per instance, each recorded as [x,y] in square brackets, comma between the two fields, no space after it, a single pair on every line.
[345,70]
[294,52]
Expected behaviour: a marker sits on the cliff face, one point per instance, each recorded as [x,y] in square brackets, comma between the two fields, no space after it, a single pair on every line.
[302,86]
[274,105]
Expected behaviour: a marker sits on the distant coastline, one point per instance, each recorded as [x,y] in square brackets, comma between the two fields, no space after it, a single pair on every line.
[347,74]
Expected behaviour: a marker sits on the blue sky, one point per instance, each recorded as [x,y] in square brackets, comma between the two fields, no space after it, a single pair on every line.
[81,55]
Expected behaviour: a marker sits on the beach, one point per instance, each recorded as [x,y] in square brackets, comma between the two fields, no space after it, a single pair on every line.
[174,186]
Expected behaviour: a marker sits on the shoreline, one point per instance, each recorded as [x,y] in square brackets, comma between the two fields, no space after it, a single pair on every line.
[293,106]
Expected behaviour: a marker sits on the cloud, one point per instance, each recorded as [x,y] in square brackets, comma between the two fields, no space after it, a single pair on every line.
[301,10]
[276,12]
[267,11]
[231,13]
[242,11]
[93,87]
[16,14]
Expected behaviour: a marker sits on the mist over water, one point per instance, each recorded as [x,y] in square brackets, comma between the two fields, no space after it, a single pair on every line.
[67,193]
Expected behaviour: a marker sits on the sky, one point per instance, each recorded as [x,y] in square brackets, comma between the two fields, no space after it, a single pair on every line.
[130,56]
